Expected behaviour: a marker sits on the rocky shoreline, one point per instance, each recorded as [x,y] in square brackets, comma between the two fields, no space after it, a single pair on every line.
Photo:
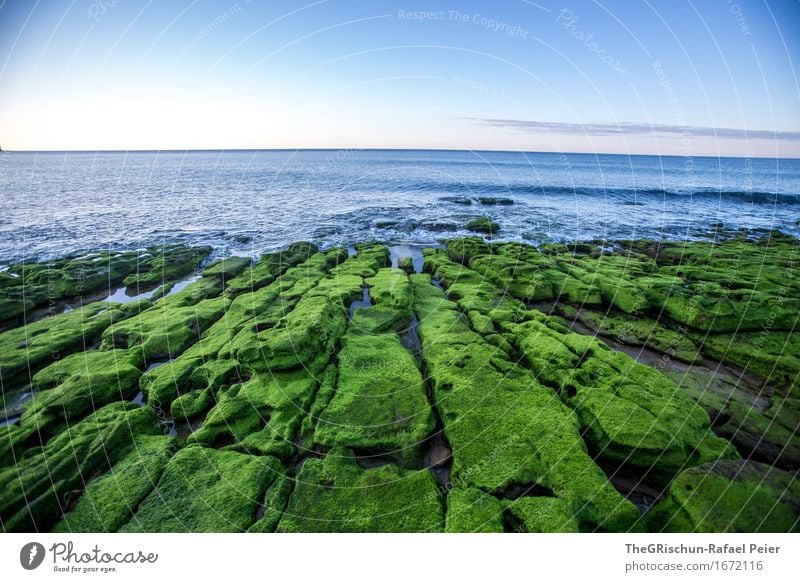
[478,386]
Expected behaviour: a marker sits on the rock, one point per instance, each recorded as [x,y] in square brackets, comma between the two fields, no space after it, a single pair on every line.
[35,485]
[730,496]
[109,501]
[627,411]
[438,455]
[471,510]
[166,264]
[335,495]
[456,200]
[25,349]
[405,264]
[479,390]
[541,515]
[380,403]
[490,201]
[483,224]
[206,490]
[227,268]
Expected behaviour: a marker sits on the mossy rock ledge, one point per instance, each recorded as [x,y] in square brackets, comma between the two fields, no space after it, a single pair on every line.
[593,386]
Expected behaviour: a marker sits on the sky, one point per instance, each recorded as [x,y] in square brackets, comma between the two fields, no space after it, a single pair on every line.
[703,77]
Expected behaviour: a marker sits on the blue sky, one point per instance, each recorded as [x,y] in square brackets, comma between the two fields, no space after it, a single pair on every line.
[686,78]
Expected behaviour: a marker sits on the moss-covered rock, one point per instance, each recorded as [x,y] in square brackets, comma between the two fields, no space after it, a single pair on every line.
[770,435]
[471,510]
[628,411]
[110,500]
[80,384]
[380,403]
[206,490]
[270,266]
[772,355]
[227,268]
[730,496]
[263,414]
[335,495]
[164,331]
[504,427]
[541,515]
[638,331]
[25,286]
[24,349]
[37,485]
[483,224]
[239,328]
[161,264]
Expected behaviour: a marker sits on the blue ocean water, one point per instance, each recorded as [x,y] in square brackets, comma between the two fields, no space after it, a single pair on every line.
[247,202]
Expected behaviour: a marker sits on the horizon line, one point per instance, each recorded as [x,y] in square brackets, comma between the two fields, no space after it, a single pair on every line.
[410,149]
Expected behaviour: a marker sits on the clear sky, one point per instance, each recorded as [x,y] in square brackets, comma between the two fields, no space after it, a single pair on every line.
[705,77]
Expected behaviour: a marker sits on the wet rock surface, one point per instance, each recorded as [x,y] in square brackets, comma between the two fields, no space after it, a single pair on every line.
[474,386]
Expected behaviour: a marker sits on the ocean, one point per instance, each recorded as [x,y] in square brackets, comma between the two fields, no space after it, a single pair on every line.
[246,202]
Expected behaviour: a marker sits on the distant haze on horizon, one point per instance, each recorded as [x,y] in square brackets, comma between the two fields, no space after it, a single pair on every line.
[669,78]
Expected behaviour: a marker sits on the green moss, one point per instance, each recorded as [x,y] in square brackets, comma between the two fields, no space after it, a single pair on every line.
[462,249]
[380,403]
[772,355]
[239,329]
[263,414]
[46,340]
[712,391]
[191,404]
[405,264]
[391,289]
[762,435]
[206,490]
[630,412]
[81,383]
[313,327]
[193,293]
[638,331]
[483,224]
[325,392]
[365,263]
[27,285]
[163,332]
[110,500]
[335,495]
[503,426]
[159,265]
[541,515]
[227,268]
[35,485]
[317,321]
[272,265]
[729,496]
[275,500]
[186,376]
[471,510]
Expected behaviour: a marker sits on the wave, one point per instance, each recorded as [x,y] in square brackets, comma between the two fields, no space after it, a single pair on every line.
[640,195]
